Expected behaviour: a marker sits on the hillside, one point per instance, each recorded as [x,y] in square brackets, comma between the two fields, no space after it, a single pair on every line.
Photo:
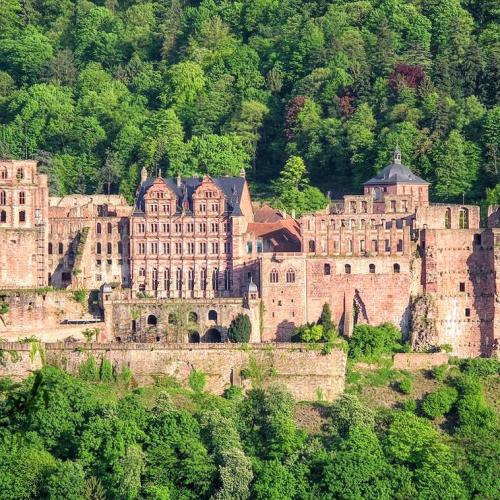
[96,90]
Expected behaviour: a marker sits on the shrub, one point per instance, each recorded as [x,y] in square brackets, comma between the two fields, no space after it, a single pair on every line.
[371,342]
[410,405]
[90,334]
[347,412]
[233,392]
[88,369]
[406,385]
[446,348]
[326,318]
[106,371]
[79,296]
[4,308]
[125,375]
[440,402]
[440,372]
[240,329]
[197,381]
[480,367]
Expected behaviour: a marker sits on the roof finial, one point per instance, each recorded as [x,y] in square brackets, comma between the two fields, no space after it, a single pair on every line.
[396,155]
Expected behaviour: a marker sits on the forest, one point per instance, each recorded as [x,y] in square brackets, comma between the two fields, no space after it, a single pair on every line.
[392,435]
[97,90]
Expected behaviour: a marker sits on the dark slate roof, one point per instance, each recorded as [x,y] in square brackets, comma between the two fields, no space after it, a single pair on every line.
[232,187]
[395,173]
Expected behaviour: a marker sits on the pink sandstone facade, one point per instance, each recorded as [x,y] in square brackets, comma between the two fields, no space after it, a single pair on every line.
[200,246]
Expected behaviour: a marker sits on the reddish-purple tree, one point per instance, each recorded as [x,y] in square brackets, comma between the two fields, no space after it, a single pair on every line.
[292,112]
[411,76]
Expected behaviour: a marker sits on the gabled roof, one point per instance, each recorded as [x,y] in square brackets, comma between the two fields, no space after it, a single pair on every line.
[232,187]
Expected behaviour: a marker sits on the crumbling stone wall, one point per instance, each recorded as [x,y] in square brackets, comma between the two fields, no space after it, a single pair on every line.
[423,323]
[308,374]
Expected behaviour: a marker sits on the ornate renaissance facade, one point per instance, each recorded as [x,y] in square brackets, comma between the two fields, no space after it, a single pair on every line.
[386,255]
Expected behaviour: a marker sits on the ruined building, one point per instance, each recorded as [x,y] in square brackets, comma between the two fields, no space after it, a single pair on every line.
[200,248]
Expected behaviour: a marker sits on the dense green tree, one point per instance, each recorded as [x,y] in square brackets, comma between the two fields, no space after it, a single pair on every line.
[240,329]
[67,481]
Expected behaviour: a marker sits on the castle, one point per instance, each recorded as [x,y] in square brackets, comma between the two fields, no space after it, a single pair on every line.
[201,246]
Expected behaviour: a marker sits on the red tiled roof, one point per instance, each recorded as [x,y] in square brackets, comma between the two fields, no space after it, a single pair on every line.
[283,234]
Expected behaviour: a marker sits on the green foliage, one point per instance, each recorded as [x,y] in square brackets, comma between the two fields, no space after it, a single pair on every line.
[440,402]
[370,343]
[440,372]
[480,367]
[4,308]
[61,436]
[405,385]
[106,371]
[240,329]
[80,296]
[90,334]
[197,381]
[88,369]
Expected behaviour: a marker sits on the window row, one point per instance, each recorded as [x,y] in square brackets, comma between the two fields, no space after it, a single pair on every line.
[99,229]
[357,224]
[180,248]
[178,227]
[4,174]
[162,280]
[201,208]
[21,216]
[109,248]
[347,269]
[274,276]
[21,197]
[362,246]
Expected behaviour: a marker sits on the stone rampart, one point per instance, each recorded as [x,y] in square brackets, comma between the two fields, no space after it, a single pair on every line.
[419,360]
[308,374]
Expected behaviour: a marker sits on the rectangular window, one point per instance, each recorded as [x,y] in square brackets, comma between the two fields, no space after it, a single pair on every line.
[141,248]
[393,205]
[227,247]
[215,247]
[462,287]
[214,227]
[467,312]
[140,228]
[387,245]
[190,248]
[178,228]
[153,228]
[190,227]
[353,207]
[249,247]
[166,248]
[364,207]
[154,248]
[400,246]
[227,227]
[361,246]
[153,208]
[203,207]
[374,246]
[203,247]
[203,228]
[260,246]
[178,248]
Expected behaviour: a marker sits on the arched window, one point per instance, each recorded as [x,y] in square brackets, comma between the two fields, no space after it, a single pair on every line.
[22,216]
[98,228]
[109,248]
[215,279]
[178,279]
[463,218]
[3,198]
[327,269]
[60,248]
[397,268]
[203,279]
[290,276]
[191,279]
[110,228]
[447,219]
[372,268]
[227,279]
[273,276]
[3,173]
[3,216]
[50,249]
[166,279]
[99,248]
[347,268]
[212,315]
[22,198]
[193,317]
[312,246]
[20,174]
[154,278]
[152,320]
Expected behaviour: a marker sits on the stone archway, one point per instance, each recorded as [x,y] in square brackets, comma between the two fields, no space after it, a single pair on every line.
[194,337]
[212,336]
